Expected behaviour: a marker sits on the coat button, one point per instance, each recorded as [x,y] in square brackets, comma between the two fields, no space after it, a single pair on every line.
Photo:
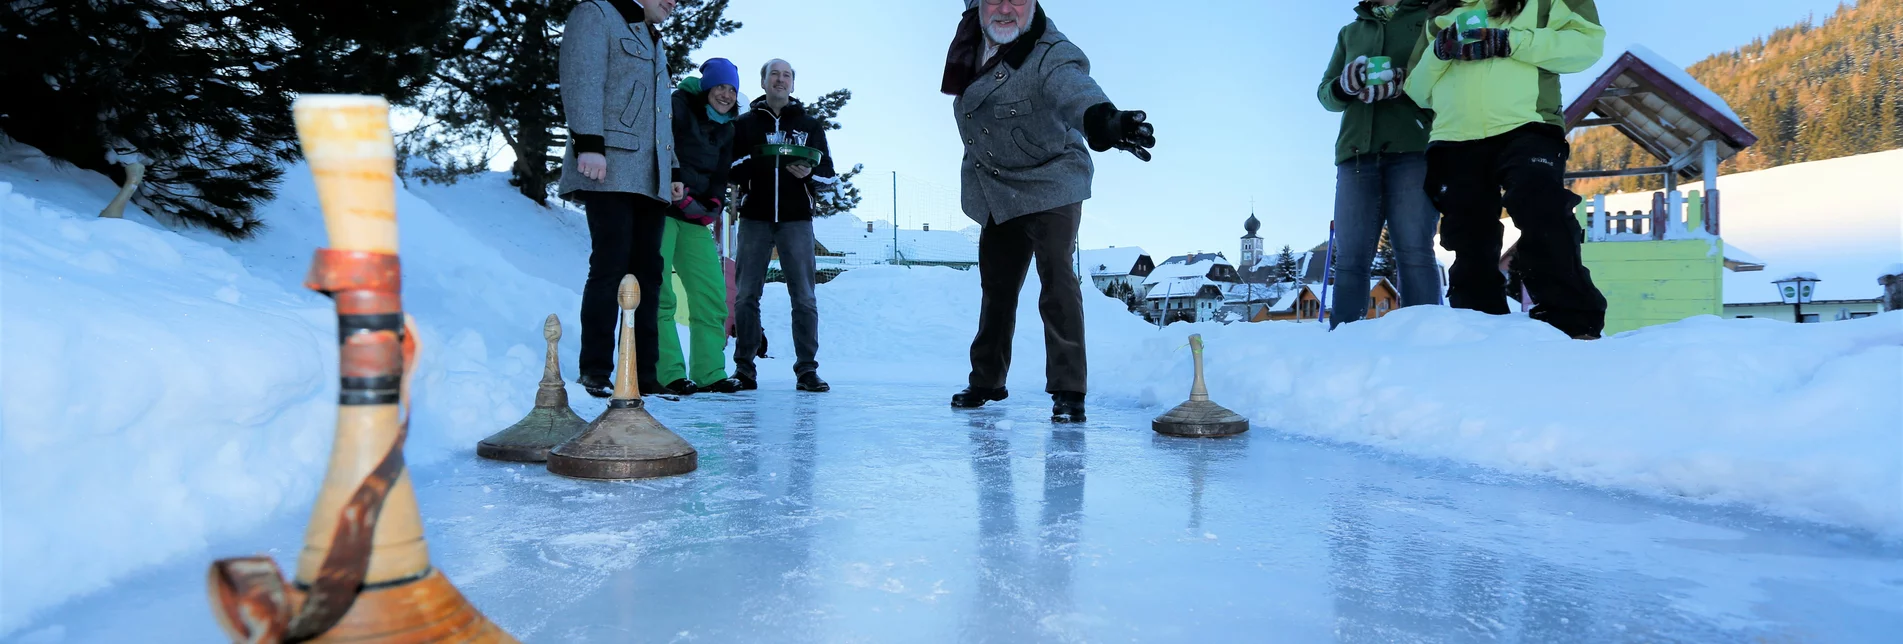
[967,116]
[994,173]
[987,130]
[1014,112]
[1000,74]
[970,142]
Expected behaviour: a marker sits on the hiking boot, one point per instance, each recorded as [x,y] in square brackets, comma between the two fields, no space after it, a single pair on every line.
[810,381]
[597,385]
[682,387]
[727,386]
[1067,407]
[975,397]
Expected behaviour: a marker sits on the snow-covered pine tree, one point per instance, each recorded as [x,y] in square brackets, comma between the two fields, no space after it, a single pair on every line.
[1287,269]
[1384,262]
[198,92]
[845,196]
[498,77]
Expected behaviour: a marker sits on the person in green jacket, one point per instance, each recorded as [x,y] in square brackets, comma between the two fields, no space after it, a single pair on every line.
[1498,141]
[704,109]
[1380,160]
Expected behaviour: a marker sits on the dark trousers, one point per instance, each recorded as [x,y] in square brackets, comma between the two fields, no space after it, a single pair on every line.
[625,232]
[1521,171]
[1005,252]
[794,240]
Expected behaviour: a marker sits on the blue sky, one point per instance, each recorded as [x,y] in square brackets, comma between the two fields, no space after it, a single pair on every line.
[1229,84]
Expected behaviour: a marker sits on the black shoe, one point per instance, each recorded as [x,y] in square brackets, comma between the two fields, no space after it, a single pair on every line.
[597,385]
[727,386]
[1067,407]
[975,397]
[682,387]
[810,381]
[744,383]
[652,388]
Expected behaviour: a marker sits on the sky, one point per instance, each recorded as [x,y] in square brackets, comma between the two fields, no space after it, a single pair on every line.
[1229,85]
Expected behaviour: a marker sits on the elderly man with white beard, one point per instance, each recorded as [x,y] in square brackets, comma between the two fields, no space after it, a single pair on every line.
[1026,108]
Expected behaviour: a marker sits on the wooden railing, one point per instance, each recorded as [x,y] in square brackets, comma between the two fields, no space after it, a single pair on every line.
[1673,215]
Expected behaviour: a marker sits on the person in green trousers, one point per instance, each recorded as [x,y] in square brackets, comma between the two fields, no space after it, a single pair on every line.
[704,109]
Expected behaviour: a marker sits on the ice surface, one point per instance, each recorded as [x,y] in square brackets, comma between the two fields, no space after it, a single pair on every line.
[881,515]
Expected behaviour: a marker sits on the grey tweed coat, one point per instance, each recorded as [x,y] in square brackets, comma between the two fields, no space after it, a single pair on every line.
[615,87]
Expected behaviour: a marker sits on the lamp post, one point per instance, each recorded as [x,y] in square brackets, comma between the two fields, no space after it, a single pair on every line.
[1796,291]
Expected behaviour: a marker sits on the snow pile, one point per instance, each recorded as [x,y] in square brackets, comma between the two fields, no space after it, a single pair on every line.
[182,387]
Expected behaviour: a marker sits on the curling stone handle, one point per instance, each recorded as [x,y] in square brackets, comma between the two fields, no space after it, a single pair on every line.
[347,141]
[552,366]
[625,385]
[1198,390]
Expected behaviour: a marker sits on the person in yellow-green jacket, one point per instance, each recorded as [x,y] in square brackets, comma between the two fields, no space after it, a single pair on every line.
[1489,72]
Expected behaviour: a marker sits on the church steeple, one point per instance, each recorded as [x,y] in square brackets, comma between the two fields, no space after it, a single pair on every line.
[1251,244]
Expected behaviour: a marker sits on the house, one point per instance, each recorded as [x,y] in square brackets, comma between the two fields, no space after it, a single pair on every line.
[1292,302]
[1189,287]
[1838,297]
[1128,266]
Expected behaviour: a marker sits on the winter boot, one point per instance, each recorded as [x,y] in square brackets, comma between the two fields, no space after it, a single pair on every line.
[744,383]
[682,387]
[810,381]
[597,385]
[1067,407]
[975,397]
[728,386]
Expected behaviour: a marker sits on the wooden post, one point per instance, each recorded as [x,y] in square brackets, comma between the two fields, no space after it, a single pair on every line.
[1694,211]
[1659,216]
[135,172]
[1675,212]
[1598,218]
[1713,218]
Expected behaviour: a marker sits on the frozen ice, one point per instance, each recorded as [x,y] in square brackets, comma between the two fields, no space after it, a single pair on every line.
[878,514]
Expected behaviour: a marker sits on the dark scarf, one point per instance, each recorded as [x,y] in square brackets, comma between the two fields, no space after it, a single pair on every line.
[961,63]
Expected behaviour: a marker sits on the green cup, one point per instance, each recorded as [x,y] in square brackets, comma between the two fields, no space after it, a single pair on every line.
[1470,22]
[1380,70]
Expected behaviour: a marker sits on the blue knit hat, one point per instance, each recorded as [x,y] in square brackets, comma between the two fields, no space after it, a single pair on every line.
[718,71]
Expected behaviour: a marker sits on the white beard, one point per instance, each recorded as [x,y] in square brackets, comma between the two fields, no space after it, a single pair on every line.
[993,31]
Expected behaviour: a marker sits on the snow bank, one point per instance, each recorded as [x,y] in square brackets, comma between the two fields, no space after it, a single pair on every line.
[181,387]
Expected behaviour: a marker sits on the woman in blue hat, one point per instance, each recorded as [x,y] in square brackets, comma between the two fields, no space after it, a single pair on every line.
[704,109]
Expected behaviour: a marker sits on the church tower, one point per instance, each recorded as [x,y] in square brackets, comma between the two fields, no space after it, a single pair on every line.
[1251,244]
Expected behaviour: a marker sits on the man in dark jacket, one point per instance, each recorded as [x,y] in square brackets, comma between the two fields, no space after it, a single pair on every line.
[620,165]
[1024,95]
[777,200]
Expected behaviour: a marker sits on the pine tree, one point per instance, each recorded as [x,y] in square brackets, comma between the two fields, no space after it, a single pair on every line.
[844,197]
[499,78]
[197,93]
[1287,269]
[1384,262]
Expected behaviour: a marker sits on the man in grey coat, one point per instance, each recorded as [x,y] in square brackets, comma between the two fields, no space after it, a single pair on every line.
[620,164]
[1026,109]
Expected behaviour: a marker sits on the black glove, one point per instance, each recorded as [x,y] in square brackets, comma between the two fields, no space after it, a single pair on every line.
[1353,77]
[1106,127]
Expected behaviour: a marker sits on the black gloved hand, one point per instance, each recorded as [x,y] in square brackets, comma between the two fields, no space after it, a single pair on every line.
[1106,127]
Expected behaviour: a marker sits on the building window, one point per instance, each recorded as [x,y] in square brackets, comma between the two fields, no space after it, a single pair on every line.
[1811,318]
[1746,317]
[1858,316]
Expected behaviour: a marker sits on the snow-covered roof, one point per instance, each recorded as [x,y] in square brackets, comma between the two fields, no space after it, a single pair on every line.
[846,235]
[1660,107]
[1111,261]
[1797,276]
[1179,289]
[1170,272]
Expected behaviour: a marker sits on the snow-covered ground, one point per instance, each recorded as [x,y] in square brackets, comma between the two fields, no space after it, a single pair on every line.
[161,391]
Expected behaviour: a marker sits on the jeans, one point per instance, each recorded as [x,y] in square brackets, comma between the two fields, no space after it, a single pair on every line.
[1005,252]
[758,239]
[625,232]
[1372,191]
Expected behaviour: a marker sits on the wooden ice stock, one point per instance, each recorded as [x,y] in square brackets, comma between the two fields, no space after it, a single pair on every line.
[364,573]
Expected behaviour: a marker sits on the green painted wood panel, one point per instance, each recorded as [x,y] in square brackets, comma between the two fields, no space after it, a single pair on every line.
[1656,282]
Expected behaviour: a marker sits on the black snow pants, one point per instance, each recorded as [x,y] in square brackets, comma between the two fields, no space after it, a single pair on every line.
[1522,171]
